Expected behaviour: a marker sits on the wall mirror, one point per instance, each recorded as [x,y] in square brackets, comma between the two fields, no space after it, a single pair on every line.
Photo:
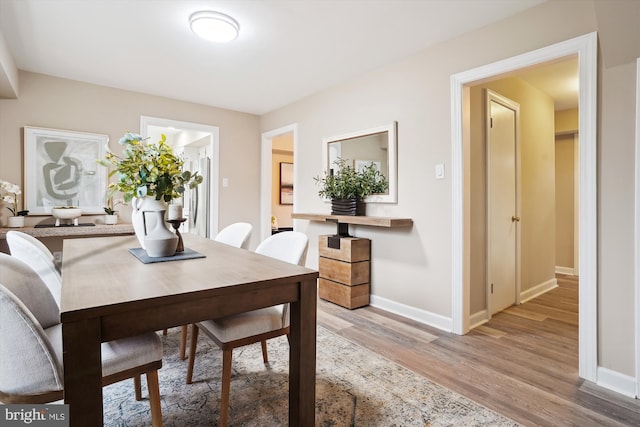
[377,145]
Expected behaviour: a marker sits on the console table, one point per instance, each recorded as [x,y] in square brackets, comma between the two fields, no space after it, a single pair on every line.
[70,231]
[345,263]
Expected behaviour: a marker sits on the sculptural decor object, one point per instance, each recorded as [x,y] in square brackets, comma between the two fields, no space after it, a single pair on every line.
[68,214]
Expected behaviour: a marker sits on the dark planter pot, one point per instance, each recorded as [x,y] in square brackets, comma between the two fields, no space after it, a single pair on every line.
[353,207]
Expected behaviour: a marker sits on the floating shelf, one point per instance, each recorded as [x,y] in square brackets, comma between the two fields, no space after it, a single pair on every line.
[373,221]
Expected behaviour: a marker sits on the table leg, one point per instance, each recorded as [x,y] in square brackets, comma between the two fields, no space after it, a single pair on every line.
[302,357]
[82,372]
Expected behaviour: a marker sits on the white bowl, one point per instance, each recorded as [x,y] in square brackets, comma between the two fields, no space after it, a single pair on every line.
[66,212]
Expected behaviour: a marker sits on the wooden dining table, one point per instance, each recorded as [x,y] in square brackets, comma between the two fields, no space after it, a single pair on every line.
[108,293]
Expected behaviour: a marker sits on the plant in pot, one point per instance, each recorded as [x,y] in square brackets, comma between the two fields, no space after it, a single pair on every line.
[111,217]
[9,194]
[150,176]
[347,187]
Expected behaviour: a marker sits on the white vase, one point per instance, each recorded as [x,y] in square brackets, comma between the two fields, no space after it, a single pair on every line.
[159,241]
[15,221]
[111,219]
[147,204]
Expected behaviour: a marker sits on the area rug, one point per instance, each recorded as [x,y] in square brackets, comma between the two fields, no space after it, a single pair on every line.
[354,387]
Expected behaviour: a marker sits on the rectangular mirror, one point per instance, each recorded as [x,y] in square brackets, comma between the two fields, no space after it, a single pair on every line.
[377,145]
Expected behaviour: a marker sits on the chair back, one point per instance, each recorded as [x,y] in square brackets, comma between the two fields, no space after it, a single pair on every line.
[289,246]
[27,286]
[236,234]
[28,362]
[34,253]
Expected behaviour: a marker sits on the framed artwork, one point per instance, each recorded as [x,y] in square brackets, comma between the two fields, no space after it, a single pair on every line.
[61,169]
[286,183]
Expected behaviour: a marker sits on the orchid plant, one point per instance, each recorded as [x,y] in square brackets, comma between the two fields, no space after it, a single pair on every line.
[110,209]
[148,169]
[10,193]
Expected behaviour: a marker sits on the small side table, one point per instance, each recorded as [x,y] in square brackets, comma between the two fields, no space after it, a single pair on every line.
[175,223]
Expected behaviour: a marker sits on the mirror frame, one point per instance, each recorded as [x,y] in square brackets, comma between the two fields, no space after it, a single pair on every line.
[392,158]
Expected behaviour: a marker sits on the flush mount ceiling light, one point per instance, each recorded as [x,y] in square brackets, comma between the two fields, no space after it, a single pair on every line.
[214,26]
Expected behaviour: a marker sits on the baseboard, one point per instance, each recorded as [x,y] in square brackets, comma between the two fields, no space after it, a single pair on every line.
[615,381]
[538,290]
[570,271]
[478,319]
[422,316]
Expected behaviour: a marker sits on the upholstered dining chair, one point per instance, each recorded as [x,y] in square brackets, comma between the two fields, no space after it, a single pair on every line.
[237,235]
[31,368]
[253,326]
[34,253]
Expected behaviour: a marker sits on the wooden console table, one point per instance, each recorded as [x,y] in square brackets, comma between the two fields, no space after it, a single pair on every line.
[345,261]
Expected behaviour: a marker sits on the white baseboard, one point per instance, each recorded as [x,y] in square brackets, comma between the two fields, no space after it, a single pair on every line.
[478,319]
[615,381]
[566,270]
[538,290]
[422,316]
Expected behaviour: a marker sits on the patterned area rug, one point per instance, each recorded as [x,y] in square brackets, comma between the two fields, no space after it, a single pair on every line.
[354,387]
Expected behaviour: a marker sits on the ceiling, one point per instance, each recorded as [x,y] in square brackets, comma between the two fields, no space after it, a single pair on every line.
[286,50]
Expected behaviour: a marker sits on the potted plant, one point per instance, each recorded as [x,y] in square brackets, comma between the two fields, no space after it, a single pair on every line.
[150,176]
[347,187]
[10,193]
[111,217]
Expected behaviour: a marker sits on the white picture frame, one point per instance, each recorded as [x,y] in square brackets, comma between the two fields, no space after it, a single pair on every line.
[61,169]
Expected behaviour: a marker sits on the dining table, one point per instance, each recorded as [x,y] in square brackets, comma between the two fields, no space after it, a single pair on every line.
[108,293]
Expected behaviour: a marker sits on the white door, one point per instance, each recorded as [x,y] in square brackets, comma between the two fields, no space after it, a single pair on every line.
[502,204]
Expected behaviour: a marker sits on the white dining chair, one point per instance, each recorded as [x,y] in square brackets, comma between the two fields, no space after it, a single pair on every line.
[254,326]
[34,253]
[31,368]
[237,235]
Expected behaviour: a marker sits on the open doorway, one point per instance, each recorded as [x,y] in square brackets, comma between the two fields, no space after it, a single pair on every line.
[199,146]
[585,48]
[278,186]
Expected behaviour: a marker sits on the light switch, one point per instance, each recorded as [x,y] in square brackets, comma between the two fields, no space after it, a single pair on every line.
[225,182]
[440,171]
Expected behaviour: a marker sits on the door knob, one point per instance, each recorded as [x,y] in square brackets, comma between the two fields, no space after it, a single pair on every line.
[515,218]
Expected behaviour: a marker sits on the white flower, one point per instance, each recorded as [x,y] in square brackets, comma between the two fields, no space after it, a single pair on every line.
[10,197]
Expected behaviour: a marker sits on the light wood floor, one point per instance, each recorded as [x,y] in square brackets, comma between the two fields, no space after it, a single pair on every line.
[522,364]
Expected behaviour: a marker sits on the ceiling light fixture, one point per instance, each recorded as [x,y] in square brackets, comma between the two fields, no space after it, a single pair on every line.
[214,26]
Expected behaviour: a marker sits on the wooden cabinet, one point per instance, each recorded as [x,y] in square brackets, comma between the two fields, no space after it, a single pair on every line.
[344,267]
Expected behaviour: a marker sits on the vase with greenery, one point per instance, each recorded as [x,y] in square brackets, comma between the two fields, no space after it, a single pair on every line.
[149,174]
[348,187]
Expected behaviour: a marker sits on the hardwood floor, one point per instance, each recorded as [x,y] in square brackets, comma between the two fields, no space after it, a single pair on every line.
[522,364]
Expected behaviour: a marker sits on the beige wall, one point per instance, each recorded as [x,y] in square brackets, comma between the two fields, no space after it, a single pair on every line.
[566,121]
[70,105]
[537,226]
[565,174]
[413,267]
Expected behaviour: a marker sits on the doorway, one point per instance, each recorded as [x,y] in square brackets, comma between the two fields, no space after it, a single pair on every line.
[269,192]
[503,242]
[585,47]
[199,145]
